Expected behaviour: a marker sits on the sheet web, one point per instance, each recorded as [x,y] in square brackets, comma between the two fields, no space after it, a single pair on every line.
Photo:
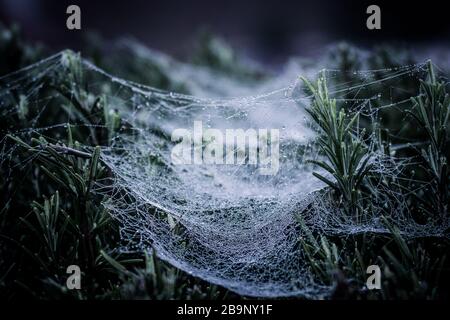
[227,224]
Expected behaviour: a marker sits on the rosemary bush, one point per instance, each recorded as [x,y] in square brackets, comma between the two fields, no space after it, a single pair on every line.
[347,155]
[411,268]
[49,218]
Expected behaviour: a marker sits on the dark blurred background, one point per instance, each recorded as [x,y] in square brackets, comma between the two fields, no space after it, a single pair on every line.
[269,31]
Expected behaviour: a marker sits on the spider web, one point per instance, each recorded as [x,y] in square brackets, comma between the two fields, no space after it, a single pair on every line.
[226,224]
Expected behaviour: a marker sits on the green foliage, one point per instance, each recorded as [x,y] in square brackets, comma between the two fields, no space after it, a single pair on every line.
[216,54]
[71,225]
[130,60]
[431,110]
[347,155]
[51,215]
[62,218]
[411,268]
[159,281]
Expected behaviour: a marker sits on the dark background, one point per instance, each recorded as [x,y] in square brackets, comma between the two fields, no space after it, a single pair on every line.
[267,30]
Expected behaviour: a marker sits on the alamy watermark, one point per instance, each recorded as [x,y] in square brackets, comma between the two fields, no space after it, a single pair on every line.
[374,20]
[374,280]
[74,280]
[73,21]
[257,147]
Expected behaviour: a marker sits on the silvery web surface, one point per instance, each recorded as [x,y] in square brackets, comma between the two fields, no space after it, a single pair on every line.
[226,224]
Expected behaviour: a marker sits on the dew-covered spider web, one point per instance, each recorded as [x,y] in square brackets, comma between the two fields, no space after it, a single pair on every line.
[227,224]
